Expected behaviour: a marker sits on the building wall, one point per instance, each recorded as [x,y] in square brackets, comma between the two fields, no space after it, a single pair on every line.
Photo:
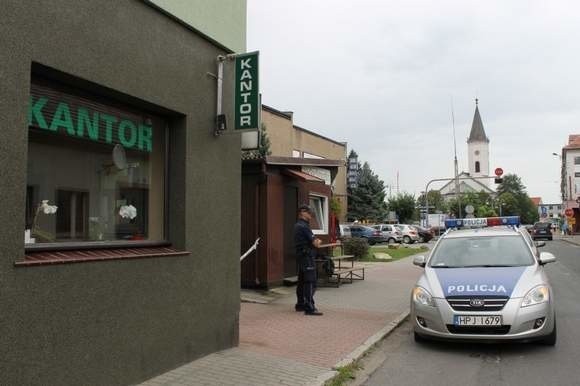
[119,322]
[572,190]
[286,138]
[222,20]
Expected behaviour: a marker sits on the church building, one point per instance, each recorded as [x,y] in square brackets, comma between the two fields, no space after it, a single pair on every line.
[478,163]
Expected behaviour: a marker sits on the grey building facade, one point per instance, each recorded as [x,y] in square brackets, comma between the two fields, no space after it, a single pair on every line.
[107,116]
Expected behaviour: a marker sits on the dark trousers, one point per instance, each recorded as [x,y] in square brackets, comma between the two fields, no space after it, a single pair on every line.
[306,288]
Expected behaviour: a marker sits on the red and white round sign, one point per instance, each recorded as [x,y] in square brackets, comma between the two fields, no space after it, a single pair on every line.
[498,171]
[569,212]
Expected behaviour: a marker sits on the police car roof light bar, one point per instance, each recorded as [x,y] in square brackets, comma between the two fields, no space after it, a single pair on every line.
[482,222]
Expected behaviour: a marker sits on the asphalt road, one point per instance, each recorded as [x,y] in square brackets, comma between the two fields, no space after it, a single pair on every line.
[398,360]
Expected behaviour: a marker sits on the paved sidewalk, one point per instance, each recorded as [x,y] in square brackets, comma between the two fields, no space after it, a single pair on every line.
[573,239]
[279,346]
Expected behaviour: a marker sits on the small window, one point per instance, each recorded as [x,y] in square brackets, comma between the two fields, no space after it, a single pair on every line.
[313,156]
[577,174]
[296,153]
[319,222]
[576,160]
[477,169]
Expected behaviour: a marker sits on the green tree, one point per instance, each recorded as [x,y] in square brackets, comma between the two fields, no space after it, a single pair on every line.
[263,146]
[404,205]
[482,203]
[366,201]
[435,200]
[515,201]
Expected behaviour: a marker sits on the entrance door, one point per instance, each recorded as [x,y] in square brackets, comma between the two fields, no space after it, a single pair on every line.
[290,206]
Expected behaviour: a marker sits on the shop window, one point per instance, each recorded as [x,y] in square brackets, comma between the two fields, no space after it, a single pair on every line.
[95,172]
[319,222]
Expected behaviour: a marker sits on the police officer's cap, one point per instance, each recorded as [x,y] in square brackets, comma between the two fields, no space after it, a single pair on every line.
[304,208]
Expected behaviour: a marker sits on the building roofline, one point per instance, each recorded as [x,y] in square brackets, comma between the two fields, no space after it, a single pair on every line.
[274,160]
[187,26]
[320,136]
[277,112]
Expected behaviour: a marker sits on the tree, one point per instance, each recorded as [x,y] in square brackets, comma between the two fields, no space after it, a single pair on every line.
[404,205]
[482,203]
[366,201]
[263,146]
[435,200]
[515,201]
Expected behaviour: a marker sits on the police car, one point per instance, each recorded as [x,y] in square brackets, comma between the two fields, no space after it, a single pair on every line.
[484,281]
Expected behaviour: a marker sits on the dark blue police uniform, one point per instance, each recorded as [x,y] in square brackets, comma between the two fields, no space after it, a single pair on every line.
[303,238]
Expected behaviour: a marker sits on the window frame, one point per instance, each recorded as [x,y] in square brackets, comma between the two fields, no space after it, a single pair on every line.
[66,83]
[324,209]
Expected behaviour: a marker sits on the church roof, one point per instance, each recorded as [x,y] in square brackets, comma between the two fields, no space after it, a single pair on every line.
[477,133]
[465,178]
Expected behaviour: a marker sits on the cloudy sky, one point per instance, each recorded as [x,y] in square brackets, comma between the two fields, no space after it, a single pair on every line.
[382,75]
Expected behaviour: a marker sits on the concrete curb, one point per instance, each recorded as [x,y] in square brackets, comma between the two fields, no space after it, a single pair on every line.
[570,241]
[360,351]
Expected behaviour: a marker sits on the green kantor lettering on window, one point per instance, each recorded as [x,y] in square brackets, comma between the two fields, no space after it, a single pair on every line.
[35,112]
[62,119]
[145,138]
[125,126]
[84,121]
[109,120]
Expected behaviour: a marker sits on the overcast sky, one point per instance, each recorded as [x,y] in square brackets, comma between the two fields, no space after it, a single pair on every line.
[381,76]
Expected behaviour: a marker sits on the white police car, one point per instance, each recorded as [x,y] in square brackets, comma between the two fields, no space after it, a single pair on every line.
[484,280]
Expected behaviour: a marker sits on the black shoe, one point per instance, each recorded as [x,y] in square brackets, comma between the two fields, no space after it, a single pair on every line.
[313,313]
[299,308]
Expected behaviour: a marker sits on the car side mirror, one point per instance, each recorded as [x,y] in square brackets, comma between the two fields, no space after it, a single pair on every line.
[540,244]
[419,261]
[546,257]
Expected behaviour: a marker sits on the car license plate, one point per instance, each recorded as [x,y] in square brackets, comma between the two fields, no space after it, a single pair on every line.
[477,320]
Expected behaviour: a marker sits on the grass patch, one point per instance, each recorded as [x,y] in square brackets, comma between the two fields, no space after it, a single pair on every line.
[345,374]
[397,254]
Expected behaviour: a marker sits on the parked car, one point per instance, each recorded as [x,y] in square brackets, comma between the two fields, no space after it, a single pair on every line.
[410,234]
[344,231]
[372,235]
[542,230]
[425,235]
[390,232]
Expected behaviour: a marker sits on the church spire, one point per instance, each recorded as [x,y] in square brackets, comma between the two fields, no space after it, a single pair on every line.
[477,133]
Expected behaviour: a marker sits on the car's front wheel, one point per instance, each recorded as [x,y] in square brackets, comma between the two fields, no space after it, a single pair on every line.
[391,241]
[418,337]
[406,239]
[550,340]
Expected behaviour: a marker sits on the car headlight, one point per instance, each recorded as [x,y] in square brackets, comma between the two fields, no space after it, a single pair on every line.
[423,297]
[537,295]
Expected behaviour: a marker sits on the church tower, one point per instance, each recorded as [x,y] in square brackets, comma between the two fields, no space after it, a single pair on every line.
[478,149]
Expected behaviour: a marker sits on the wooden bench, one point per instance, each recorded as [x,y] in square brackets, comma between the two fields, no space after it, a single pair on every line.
[343,273]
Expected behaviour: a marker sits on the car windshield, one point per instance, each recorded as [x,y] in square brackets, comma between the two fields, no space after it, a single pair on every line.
[482,251]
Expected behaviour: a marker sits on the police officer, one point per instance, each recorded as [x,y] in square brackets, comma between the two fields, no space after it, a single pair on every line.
[305,244]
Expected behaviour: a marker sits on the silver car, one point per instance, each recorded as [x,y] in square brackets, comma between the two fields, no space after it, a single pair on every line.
[390,232]
[484,284]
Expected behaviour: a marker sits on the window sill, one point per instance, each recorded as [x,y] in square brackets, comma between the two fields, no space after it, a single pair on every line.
[32,258]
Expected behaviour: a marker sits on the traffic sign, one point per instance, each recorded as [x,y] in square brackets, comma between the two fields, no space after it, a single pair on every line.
[498,171]
[569,212]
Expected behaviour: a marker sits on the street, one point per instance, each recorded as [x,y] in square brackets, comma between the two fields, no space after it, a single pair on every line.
[401,361]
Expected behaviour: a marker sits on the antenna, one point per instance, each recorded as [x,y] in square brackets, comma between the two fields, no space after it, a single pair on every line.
[457,192]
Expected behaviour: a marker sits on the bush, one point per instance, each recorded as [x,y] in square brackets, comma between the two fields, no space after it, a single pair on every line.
[356,246]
